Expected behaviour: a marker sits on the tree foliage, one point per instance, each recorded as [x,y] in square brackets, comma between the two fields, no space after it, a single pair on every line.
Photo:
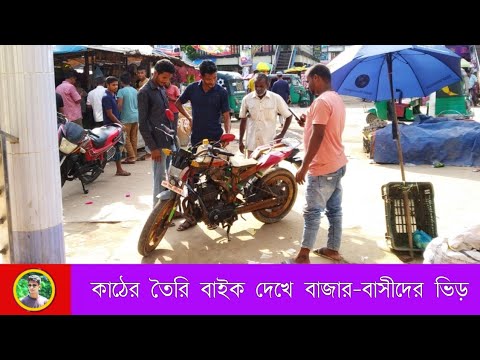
[190,51]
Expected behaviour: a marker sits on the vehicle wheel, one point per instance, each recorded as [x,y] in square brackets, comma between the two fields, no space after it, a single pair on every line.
[304,103]
[282,183]
[91,175]
[63,176]
[64,171]
[371,118]
[156,226]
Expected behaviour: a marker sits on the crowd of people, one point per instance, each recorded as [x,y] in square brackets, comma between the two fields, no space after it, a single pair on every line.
[143,107]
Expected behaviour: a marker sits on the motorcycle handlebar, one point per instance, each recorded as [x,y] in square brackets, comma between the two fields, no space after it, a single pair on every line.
[61,118]
[217,151]
[166,130]
[170,133]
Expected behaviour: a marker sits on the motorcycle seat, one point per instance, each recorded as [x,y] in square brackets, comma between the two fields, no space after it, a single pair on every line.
[240,161]
[103,134]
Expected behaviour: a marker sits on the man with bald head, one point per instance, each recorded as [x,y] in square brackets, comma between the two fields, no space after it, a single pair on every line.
[263,106]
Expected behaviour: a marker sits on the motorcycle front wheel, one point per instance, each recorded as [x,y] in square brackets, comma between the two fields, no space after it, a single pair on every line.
[63,175]
[64,169]
[280,182]
[92,174]
[156,226]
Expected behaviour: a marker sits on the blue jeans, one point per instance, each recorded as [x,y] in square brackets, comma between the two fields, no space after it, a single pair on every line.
[159,174]
[323,194]
[168,160]
[118,153]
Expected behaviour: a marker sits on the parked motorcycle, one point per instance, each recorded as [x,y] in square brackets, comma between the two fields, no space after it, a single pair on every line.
[84,153]
[212,185]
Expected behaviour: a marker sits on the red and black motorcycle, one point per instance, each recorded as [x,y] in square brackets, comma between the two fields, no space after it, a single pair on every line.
[212,185]
[84,153]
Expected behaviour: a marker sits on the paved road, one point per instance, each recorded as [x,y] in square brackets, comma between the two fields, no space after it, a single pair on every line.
[107,229]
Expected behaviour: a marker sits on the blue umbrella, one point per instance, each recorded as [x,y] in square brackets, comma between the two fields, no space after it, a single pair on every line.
[371,71]
[374,71]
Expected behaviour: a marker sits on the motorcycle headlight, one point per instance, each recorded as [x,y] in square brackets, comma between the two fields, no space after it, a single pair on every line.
[66,146]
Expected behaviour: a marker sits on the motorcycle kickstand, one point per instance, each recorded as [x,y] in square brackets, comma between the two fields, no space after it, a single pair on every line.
[85,191]
[228,232]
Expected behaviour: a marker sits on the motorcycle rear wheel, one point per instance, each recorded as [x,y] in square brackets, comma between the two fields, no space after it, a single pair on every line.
[278,180]
[155,227]
[92,175]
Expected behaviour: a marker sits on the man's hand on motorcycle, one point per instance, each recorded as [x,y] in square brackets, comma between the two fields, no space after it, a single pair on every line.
[300,175]
[156,155]
[303,119]
[241,147]
[278,137]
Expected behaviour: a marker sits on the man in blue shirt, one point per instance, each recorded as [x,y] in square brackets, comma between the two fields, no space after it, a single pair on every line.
[209,102]
[128,106]
[281,88]
[111,115]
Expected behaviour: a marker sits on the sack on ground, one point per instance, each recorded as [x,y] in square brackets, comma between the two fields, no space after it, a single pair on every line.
[438,252]
[469,239]
[183,131]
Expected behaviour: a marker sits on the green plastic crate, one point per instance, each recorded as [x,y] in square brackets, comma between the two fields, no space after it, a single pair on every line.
[422,212]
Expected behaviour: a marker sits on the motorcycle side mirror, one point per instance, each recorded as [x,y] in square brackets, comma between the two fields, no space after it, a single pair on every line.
[169,114]
[226,138]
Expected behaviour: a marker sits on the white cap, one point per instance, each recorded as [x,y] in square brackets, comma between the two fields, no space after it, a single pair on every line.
[279,73]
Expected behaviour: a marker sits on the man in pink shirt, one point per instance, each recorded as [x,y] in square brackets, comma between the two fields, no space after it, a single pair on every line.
[71,98]
[173,93]
[323,166]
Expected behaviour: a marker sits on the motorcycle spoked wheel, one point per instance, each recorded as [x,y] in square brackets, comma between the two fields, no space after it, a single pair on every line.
[92,174]
[281,182]
[156,226]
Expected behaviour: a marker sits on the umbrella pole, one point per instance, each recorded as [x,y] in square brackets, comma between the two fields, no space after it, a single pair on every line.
[396,137]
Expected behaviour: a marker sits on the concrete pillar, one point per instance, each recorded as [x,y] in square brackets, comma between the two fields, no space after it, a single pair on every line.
[28,111]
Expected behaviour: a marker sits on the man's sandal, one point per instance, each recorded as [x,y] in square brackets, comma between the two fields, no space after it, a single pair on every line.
[186,225]
[177,215]
[327,254]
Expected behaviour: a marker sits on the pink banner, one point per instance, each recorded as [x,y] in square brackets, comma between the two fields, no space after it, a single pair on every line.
[217,50]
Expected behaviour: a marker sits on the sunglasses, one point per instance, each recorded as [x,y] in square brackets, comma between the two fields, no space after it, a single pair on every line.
[32,285]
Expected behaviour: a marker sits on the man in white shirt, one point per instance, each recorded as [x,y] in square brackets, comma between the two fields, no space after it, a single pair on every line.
[472,86]
[94,100]
[263,106]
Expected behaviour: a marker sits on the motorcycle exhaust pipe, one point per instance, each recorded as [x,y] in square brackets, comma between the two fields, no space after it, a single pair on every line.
[88,167]
[258,205]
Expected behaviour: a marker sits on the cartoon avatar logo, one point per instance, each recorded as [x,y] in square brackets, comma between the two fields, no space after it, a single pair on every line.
[362,80]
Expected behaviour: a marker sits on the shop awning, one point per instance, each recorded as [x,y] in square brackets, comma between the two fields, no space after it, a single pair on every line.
[198,61]
[65,49]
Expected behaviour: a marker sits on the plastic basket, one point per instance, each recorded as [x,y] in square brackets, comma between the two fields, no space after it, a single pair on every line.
[422,212]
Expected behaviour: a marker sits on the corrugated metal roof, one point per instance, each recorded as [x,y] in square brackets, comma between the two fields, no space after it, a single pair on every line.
[132,50]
